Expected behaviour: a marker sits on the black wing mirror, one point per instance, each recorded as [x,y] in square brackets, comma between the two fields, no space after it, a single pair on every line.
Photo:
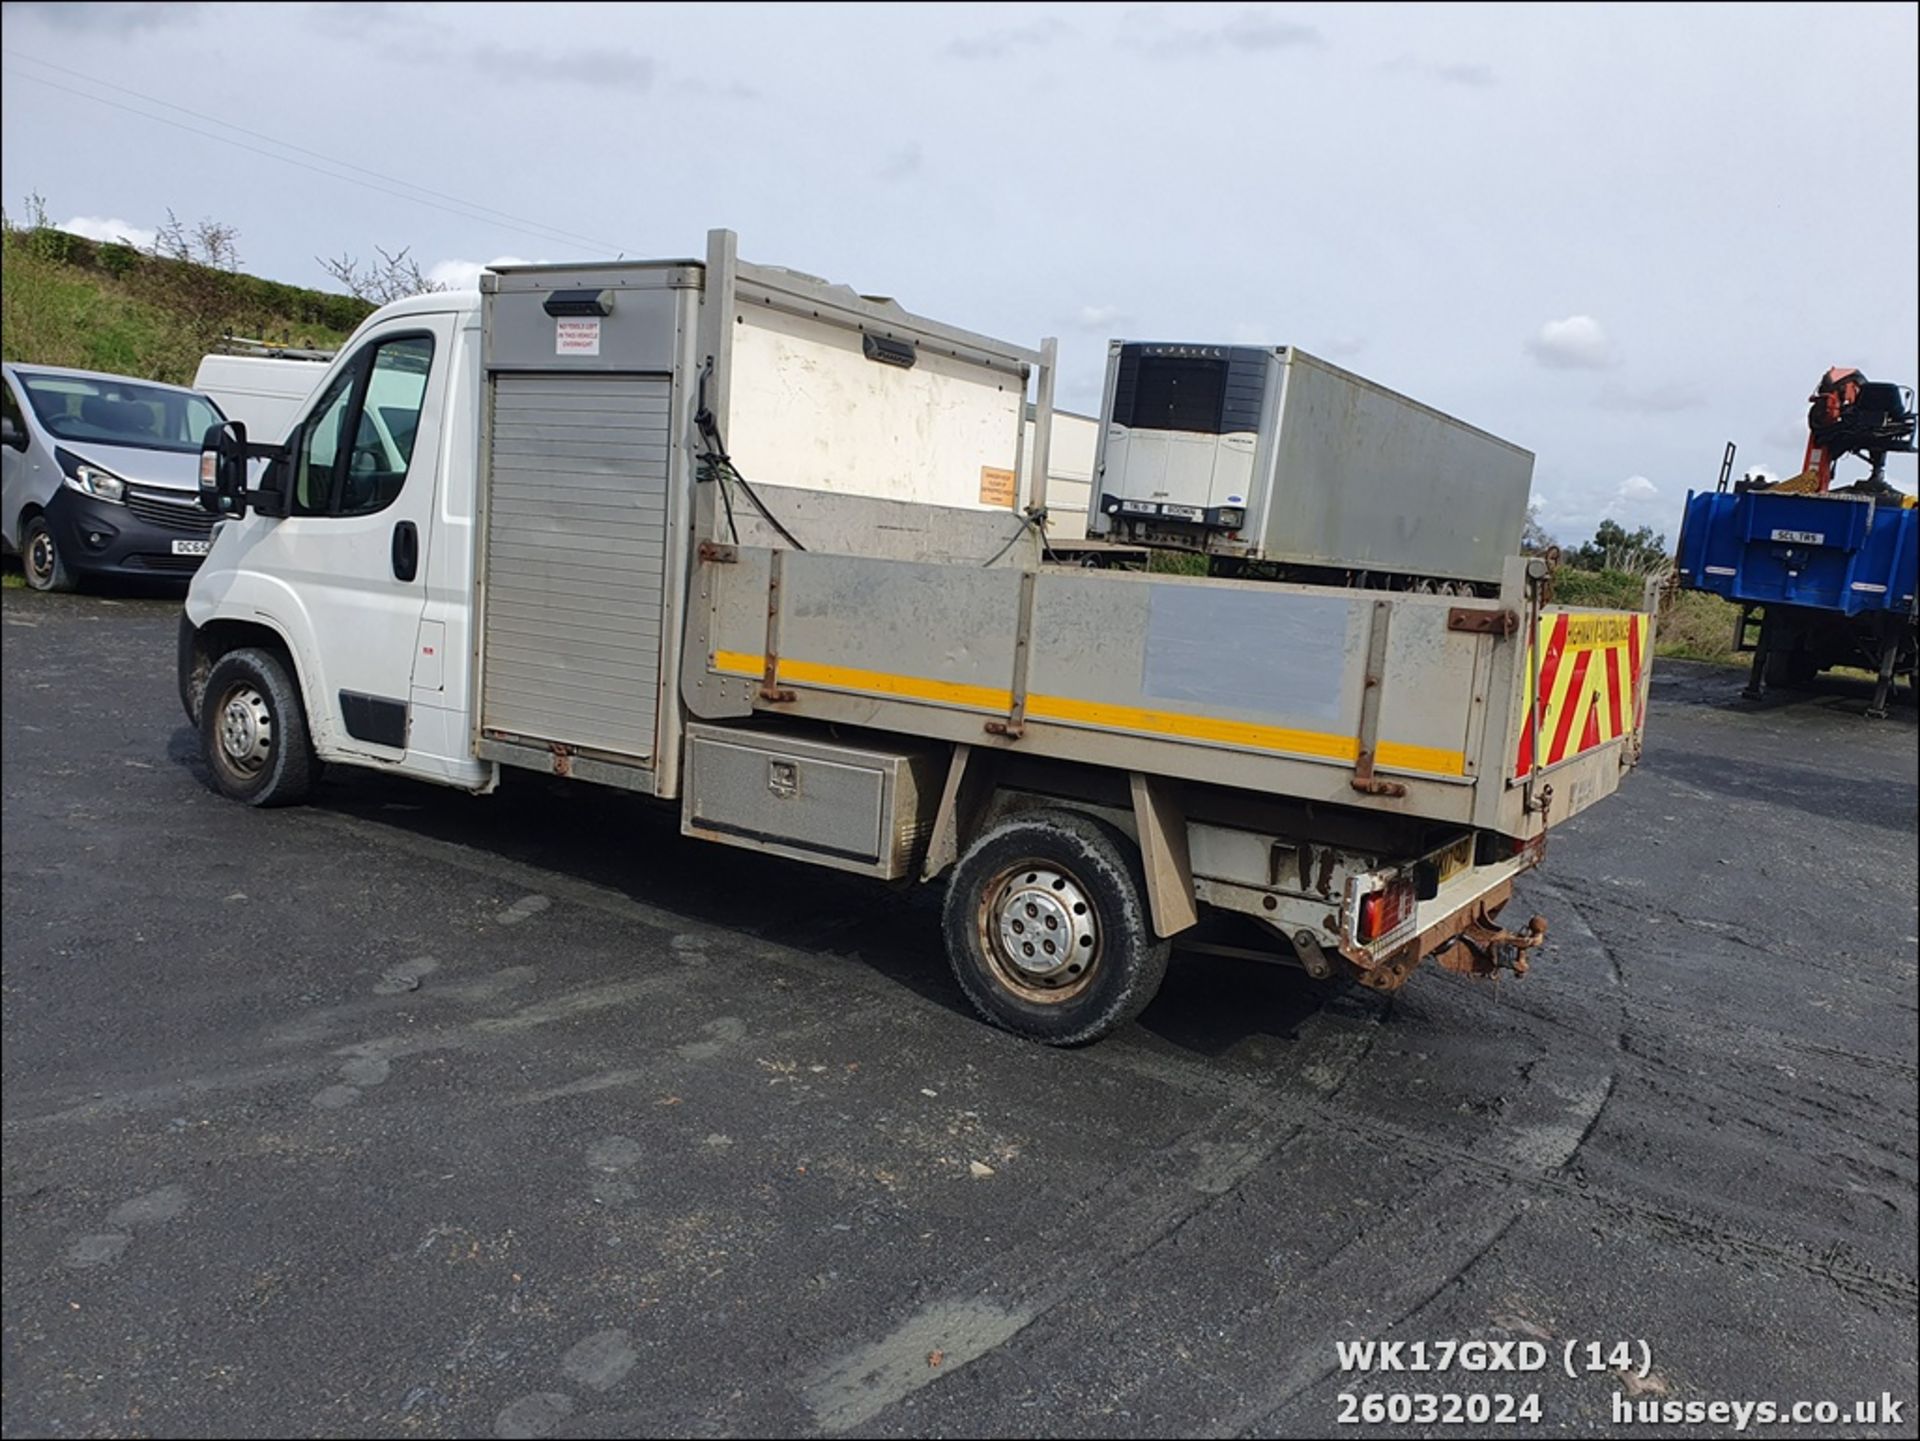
[11,435]
[223,469]
[224,453]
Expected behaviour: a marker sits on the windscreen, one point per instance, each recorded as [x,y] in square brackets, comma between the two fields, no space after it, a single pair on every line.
[108,411]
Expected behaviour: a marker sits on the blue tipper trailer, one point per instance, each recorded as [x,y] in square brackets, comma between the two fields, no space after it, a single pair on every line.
[1831,574]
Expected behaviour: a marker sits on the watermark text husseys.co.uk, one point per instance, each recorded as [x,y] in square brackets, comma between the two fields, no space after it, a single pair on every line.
[1881,1410]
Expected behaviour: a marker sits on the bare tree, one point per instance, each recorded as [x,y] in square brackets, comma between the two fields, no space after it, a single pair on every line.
[395,277]
[194,272]
[1534,539]
[209,243]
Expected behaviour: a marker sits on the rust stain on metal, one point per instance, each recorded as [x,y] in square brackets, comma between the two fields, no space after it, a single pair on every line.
[562,759]
[718,553]
[1483,948]
[1366,782]
[1469,942]
[1326,873]
[1482,622]
[770,690]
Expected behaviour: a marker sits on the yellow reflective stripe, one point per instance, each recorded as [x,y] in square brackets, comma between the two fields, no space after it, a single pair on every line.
[868,682]
[907,687]
[1098,714]
[1191,727]
[1434,760]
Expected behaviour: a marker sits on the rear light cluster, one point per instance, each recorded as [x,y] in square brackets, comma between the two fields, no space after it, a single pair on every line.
[1385,911]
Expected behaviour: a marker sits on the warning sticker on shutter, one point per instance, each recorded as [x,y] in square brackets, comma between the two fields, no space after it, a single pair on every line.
[996,487]
[577,337]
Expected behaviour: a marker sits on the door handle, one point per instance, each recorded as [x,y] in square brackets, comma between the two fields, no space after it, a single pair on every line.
[406,550]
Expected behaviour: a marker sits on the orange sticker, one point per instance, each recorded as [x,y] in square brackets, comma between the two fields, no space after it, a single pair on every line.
[996,487]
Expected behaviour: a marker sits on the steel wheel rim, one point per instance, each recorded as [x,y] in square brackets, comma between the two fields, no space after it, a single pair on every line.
[245,722]
[40,557]
[1040,932]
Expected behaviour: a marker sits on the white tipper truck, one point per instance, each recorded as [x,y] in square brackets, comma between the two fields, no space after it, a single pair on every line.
[756,546]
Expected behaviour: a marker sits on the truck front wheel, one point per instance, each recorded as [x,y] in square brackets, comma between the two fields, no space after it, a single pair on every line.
[253,730]
[1048,930]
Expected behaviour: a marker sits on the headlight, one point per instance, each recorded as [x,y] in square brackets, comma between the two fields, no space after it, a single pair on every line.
[90,479]
[1232,518]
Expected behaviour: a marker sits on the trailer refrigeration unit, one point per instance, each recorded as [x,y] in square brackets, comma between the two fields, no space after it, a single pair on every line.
[747,543]
[1251,454]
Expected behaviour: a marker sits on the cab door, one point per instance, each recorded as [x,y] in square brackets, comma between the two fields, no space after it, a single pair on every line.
[359,475]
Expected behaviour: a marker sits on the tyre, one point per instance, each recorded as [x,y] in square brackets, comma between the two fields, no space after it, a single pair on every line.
[40,558]
[1048,931]
[253,730]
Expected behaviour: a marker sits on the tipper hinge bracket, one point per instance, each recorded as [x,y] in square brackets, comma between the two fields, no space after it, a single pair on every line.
[771,691]
[1364,780]
[1483,622]
[1015,725]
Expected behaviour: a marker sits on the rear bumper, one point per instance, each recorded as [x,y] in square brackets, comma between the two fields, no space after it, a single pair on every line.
[96,537]
[1459,927]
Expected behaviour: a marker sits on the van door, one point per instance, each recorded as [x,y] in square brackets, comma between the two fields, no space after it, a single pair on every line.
[360,469]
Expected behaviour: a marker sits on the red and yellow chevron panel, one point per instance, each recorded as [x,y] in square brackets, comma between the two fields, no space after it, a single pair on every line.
[1589,690]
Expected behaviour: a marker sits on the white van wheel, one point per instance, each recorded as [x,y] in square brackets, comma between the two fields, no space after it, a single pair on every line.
[40,557]
[253,730]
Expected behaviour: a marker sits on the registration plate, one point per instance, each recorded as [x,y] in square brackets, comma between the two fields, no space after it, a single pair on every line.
[1183,512]
[192,547]
[1800,537]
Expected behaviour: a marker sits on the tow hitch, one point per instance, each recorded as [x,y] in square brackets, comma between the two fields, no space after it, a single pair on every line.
[1483,948]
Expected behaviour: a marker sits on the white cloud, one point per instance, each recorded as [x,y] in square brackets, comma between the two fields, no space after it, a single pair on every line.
[1571,510]
[465,274]
[112,230]
[1636,501]
[1577,343]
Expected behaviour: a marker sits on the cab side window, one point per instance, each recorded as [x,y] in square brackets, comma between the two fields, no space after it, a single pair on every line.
[314,466]
[356,447]
[10,406]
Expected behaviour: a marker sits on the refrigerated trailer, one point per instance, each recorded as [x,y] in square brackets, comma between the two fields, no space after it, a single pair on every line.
[739,541]
[1264,455]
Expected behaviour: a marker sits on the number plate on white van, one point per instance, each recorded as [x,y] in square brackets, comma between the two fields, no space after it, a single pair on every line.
[192,547]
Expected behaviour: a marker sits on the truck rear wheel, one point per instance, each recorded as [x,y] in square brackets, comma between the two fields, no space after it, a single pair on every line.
[253,730]
[1048,930]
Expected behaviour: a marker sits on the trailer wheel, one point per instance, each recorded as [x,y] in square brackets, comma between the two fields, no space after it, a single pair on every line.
[1048,931]
[253,730]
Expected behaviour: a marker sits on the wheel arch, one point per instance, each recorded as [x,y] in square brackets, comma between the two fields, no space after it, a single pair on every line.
[201,648]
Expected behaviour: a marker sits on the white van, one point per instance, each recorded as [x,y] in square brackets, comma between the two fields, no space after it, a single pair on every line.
[267,392]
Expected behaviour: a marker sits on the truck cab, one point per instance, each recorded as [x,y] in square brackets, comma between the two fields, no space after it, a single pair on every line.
[358,569]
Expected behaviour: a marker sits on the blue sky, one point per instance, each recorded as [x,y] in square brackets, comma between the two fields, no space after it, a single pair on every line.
[1619,236]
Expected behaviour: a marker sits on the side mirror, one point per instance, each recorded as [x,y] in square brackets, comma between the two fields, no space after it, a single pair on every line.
[11,435]
[223,469]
